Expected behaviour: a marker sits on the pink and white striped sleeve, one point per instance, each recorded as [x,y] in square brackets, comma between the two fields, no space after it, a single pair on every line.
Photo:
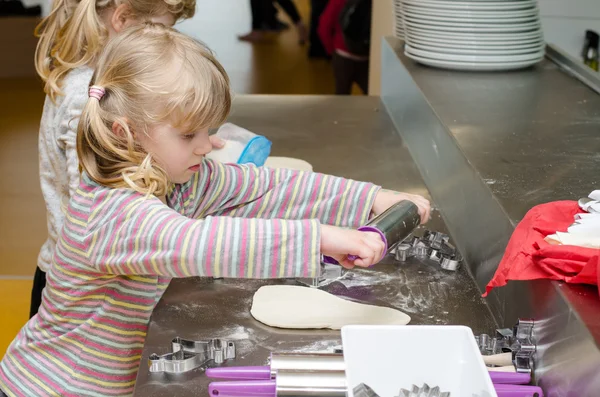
[132,235]
[253,192]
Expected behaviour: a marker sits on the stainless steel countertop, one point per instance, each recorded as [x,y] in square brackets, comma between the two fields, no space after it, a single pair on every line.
[490,146]
[347,136]
[531,134]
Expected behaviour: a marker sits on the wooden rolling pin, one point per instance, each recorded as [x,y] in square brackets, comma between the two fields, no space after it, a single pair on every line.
[506,368]
[502,359]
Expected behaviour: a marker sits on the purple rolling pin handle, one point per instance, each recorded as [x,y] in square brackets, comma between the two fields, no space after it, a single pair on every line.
[510,378]
[329,260]
[518,391]
[241,373]
[372,230]
[259,388]
[352,258]
[246,395]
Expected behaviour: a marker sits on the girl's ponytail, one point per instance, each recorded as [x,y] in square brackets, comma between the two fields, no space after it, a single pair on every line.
[68,39]
[73,34]
[112,159]
[47,30]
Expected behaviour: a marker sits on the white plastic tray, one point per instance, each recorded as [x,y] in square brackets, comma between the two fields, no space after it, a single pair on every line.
[389,358]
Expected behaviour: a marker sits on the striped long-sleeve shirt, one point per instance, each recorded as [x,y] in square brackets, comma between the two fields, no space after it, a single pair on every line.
[118,250]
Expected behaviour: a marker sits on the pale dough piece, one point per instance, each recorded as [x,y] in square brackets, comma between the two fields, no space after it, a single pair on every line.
[288,163]
[288,306]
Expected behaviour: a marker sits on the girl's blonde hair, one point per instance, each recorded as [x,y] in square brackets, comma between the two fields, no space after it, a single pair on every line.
[150,74]
[73,34]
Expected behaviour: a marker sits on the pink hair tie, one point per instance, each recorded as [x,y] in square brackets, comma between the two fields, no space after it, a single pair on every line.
[96,92]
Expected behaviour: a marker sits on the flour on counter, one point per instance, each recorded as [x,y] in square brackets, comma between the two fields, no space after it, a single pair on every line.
[237,333]
[322,346]
[360,278]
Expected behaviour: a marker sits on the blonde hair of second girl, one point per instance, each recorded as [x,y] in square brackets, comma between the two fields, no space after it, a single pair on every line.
[73,34]
[150,74]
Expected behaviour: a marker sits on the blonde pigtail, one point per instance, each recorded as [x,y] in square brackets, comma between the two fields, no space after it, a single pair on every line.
[115,158]
[76,44]
[73,34]
[147,76]
[47,31]
[147,178]
[89,129]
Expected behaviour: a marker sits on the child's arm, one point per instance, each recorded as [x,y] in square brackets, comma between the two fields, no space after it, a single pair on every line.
[127,234]
[252,192]
[68,141]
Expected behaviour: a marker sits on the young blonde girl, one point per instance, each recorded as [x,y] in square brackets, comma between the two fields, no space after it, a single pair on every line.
[71,37]
[150,207]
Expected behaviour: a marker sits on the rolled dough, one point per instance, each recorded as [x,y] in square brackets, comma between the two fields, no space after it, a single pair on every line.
[288,306]
[288,163]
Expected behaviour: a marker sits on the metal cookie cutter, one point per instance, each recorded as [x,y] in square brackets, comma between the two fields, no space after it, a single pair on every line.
[424,391]
[501,343]
[434,246]
[329,273]
[524,346]
[403,252]
[449,264]
[188,355]
[363,390]
[519,341]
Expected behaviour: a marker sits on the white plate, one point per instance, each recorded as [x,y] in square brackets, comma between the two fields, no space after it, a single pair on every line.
[472,20]
[473,66]
[474,41]
[474,58]
[469,66]
[473,51]
[480,37]
[450,42]
[471,13]
[489,45]
[469,27]
[483,6]
[480,1]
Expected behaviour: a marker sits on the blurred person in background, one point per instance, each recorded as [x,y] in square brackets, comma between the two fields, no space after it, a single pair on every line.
[345,31]
[264,19]
[315,48]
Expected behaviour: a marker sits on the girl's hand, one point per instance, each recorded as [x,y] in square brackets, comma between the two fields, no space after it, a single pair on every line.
[338,243]
[386,198]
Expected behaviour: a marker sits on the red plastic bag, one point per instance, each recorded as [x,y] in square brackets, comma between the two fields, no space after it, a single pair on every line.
[528,256]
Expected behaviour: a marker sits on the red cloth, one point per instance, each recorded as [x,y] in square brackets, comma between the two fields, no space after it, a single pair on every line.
[529,257]
[330,31]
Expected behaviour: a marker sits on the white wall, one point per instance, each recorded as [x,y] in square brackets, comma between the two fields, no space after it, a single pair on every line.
[564,22]
[382,25]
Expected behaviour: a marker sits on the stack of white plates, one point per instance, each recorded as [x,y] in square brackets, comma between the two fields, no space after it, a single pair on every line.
[398,25]
[473,34]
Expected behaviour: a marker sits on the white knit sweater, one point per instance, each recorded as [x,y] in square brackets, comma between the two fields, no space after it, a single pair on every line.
[59,165]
